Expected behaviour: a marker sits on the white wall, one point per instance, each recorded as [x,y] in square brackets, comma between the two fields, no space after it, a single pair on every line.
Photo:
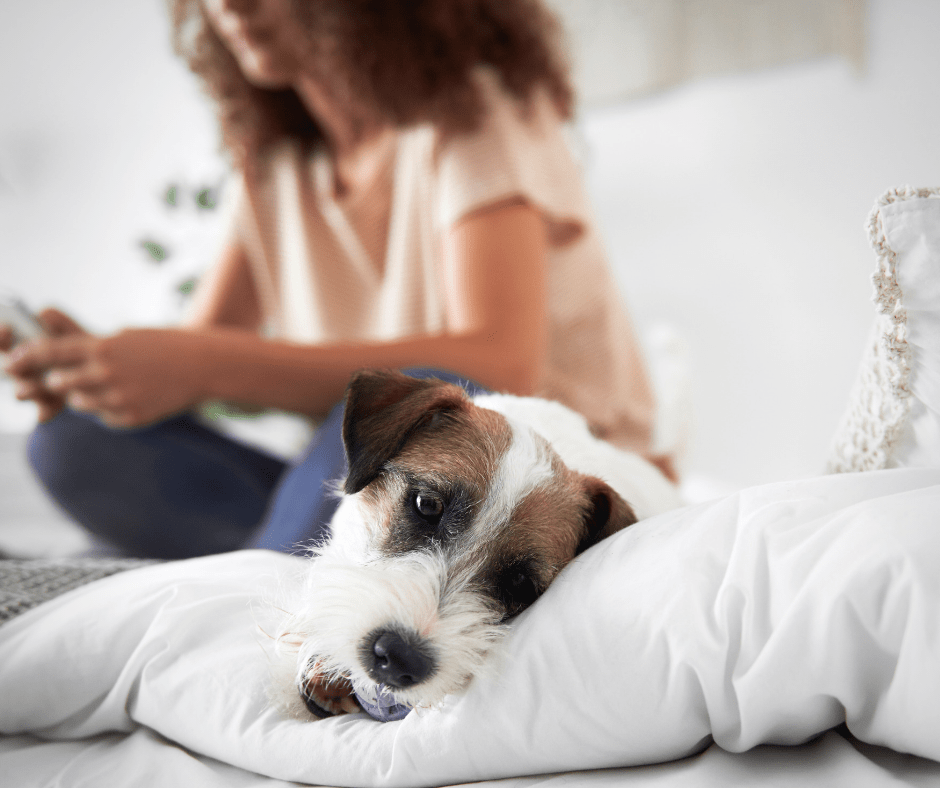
[96,116]
[733,208]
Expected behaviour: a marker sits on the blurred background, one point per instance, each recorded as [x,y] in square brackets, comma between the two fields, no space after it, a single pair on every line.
[733,150]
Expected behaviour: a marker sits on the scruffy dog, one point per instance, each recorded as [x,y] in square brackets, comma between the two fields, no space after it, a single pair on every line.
[456,515]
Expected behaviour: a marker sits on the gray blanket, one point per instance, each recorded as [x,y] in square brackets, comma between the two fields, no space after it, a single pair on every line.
[26,583]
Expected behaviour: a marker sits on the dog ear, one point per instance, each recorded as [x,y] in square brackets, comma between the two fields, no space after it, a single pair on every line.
[606,514]
[383,408]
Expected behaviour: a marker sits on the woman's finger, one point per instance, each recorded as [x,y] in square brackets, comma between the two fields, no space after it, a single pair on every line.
[121,419]
[6,338]
[83,401]
[115,416]
[40,354]
[98,400]
[59,324]
[87,376]
[28,389]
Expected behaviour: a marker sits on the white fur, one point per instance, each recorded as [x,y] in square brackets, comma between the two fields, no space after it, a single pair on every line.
[523,468]
[636,480]
[418,592]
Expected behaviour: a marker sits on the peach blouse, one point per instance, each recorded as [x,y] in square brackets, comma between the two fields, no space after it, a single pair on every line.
[369,267]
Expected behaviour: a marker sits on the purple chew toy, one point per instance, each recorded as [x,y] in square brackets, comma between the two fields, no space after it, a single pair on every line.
[384,709]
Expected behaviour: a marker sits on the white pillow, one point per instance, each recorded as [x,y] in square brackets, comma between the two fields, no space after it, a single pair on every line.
[893,418]
[767,616]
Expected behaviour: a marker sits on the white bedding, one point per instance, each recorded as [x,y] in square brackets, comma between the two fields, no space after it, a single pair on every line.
[144,759]
[768,616]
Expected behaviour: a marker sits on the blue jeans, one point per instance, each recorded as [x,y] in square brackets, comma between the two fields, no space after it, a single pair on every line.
[178,489]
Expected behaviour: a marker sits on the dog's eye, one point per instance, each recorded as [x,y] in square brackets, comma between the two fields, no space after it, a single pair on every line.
[428,507]
[516,589]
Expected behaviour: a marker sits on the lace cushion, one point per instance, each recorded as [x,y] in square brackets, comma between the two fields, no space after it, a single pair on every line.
[893,417]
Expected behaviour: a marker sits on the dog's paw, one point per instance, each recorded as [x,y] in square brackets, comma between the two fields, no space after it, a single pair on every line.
[327,697]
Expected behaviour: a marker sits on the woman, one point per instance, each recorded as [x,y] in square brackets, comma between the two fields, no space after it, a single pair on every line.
[406,199]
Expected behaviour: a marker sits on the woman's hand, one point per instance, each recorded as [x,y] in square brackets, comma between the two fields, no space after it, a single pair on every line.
[132,378]
[29,383]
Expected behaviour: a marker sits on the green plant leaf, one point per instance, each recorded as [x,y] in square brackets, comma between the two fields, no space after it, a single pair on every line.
[157,251]
[206,199]
[187,286]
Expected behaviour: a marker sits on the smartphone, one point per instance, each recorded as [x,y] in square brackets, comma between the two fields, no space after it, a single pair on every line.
[15,314]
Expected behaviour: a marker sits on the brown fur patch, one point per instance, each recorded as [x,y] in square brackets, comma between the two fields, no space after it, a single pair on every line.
[455,455]
[383,409]
[461,443]
[549,522]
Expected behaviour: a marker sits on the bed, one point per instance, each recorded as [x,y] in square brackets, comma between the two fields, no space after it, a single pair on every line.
[786,634]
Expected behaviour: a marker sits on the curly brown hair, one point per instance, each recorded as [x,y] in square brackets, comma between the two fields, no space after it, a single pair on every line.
[405,61]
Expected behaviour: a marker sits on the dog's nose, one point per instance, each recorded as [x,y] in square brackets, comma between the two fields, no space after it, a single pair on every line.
[398,663]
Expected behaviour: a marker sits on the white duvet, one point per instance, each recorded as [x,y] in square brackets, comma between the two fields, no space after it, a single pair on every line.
[765,617]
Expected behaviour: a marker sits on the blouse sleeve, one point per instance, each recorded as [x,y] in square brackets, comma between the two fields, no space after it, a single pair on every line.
[516,152]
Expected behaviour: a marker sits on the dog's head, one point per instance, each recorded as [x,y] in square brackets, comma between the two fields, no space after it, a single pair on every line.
[455,520]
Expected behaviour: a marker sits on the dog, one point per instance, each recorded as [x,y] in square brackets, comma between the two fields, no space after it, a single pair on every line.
[457,513]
